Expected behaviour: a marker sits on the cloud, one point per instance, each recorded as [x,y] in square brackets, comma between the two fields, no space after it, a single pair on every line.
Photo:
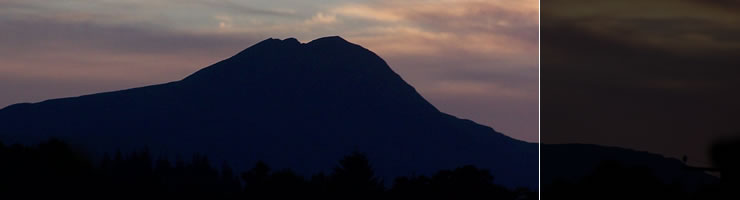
[477,89]
[224,22]
[367,12]
[241,8]
[321,18]
[33,34]
[426,27]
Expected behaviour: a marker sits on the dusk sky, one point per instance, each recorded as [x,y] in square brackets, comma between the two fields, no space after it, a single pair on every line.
[474,59]
[658,76]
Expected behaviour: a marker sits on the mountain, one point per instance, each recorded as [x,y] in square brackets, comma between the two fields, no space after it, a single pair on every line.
[292,105]
[572,162]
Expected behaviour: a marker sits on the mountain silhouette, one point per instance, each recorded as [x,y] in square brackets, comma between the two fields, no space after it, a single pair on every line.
[289,104]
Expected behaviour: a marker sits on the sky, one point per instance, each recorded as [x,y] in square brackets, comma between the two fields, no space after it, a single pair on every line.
[658,76]
[475,59]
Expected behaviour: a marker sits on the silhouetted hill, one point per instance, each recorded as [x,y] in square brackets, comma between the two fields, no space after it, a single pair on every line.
[573,162]
[292,105]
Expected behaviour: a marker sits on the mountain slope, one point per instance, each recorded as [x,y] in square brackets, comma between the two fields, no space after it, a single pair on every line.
[293,105]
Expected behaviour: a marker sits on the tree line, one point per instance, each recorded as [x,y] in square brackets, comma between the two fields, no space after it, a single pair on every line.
[53,169]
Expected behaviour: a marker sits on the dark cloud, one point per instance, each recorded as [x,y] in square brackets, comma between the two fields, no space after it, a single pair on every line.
[612,85]
[730,5]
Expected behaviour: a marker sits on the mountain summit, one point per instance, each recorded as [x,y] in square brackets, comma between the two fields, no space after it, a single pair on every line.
[292,105]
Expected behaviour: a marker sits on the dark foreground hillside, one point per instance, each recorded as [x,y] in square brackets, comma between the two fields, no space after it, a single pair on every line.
[612,180]
[54,169]
[598,172]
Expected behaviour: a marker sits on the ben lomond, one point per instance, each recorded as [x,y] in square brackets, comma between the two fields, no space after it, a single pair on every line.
[292,105]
